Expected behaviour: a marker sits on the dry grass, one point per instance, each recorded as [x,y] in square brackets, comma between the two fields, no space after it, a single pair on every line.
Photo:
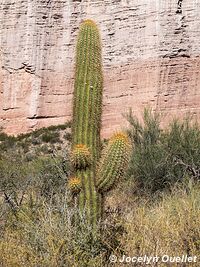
[170,226]
[48,237]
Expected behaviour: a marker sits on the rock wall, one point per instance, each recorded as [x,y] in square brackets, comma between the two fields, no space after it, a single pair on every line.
[150,54]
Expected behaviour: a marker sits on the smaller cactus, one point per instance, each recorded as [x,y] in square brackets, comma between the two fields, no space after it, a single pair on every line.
[74,185]
[81,156]
[114,161]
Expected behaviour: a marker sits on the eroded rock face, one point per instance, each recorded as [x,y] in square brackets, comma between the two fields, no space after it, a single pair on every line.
[150,54]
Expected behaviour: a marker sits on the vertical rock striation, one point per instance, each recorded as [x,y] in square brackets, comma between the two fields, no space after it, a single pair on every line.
[150,55]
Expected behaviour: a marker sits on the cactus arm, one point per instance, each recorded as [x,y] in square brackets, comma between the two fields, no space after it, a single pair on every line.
[114,162]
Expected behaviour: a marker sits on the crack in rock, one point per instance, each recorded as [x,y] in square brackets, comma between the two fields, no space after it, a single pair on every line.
[26,67]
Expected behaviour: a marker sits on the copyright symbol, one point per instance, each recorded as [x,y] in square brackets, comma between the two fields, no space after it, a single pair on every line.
[113,258]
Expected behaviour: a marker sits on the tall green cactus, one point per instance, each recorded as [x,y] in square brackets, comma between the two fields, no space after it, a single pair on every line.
[92,176]
[88,89]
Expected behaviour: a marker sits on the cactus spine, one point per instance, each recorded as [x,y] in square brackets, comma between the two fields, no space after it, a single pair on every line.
[95,178]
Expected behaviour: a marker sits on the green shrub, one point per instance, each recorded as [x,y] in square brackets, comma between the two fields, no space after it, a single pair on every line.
[67,136]
[60,126]
[183,143]
[51,137]
[6,142]
[50,174]
[45,175]
[13,172]
[4,137]
[161,158]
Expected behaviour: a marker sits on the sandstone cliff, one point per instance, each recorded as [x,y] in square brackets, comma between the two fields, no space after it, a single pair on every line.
[150,54]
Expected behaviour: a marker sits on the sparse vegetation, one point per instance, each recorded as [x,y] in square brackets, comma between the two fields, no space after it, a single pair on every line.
[35,142]
[41,226]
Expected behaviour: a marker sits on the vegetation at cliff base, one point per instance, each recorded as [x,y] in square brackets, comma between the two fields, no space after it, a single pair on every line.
[153,210]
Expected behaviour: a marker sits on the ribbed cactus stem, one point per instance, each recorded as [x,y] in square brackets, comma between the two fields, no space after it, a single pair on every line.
[87,106]
[114,162]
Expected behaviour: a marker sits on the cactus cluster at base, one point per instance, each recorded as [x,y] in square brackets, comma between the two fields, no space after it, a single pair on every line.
[92,175]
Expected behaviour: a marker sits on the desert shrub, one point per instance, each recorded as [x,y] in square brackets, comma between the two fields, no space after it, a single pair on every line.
[54,233]
[183,143]
[35,141]
[6,142]
[51,137]
[14,172]
[45,175]
[25,145]
[67,136]
[161,158]
[60,126]
[51,129]
[30,141]
[50,174]
[22,136]
[4,137]
[43,148]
